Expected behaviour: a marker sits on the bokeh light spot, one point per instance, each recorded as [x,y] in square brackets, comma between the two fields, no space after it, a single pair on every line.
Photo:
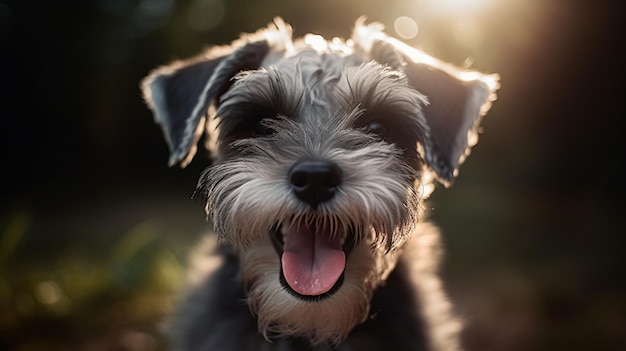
[405,27]
[48,293]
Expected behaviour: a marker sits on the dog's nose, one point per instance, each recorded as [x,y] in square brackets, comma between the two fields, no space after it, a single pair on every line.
[314,181]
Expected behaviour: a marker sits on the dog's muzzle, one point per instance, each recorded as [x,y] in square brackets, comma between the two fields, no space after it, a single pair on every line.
[312,249]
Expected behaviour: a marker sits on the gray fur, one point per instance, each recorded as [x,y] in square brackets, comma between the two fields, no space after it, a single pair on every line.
[388,117]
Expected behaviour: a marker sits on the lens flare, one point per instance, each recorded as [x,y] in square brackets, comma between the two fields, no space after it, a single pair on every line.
[405,27]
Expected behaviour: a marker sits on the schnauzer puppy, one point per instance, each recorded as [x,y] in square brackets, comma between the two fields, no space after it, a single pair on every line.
[324,152]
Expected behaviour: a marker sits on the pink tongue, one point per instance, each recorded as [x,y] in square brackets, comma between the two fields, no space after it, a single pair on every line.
[312,262]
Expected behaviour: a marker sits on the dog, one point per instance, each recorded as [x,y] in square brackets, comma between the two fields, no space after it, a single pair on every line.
[324,152]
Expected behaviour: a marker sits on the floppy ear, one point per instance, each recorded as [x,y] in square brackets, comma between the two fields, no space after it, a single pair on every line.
[457,98]
[181,93]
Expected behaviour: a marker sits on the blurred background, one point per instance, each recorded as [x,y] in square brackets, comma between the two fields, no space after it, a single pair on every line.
[95,228]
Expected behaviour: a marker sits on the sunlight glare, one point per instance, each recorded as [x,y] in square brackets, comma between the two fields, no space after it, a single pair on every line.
[462,8]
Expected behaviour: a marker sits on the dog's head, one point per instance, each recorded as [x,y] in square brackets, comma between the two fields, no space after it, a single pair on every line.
[324,150]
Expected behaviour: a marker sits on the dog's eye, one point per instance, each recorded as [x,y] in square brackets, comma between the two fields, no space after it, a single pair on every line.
[375,128]
[263,128]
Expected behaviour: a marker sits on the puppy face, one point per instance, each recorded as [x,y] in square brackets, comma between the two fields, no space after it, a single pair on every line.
[312,184]
[324,151]
[317,153]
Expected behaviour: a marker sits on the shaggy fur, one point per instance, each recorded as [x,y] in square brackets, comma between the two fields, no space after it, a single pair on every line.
[324,149]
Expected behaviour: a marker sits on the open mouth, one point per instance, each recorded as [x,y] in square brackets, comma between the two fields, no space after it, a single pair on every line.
[312,257]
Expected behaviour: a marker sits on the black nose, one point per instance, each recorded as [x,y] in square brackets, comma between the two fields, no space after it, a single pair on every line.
[314,181]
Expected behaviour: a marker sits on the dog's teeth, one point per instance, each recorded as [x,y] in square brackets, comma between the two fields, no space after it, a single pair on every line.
[284,230]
